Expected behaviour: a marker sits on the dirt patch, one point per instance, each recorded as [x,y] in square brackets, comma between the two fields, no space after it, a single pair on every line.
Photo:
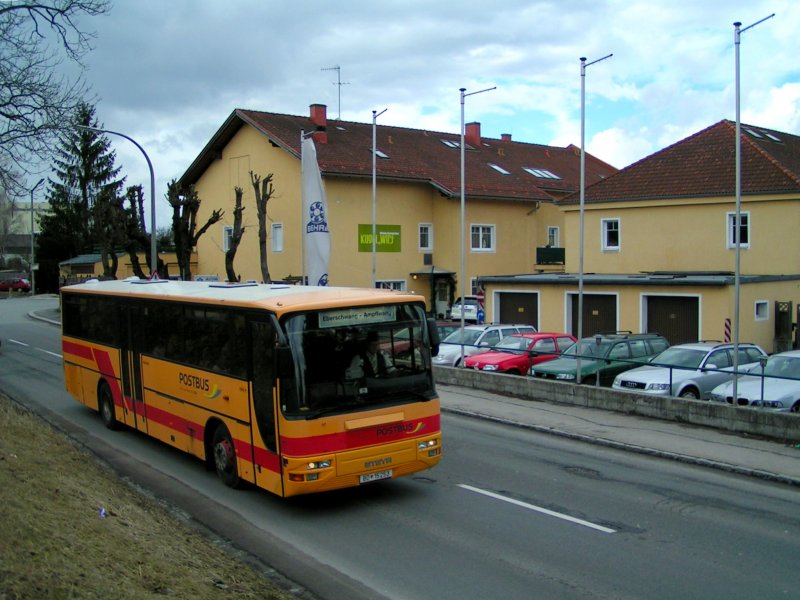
[72,529]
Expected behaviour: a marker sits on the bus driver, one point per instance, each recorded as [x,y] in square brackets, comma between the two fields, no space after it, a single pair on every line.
[371,362]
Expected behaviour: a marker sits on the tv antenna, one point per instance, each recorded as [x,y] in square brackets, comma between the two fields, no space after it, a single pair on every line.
[339,84]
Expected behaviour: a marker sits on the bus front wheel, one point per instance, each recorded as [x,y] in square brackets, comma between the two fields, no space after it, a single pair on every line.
[225,457]
[105,405]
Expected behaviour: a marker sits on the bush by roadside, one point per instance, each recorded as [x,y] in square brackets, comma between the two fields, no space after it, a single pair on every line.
[72,529]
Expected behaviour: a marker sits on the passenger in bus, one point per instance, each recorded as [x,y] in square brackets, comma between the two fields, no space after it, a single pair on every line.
[370,362]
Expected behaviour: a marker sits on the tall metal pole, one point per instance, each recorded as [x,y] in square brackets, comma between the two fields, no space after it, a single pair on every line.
[463,274]
[584,64]
[737,225]
[375,115]
[153,254]
[33,274]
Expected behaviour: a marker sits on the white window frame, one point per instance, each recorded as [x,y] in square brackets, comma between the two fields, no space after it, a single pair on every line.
[277,237]
[730,233]
[429,228]
[483,229]
[227,236]
[761,310]
[604,230]
[554,236]
[398,285]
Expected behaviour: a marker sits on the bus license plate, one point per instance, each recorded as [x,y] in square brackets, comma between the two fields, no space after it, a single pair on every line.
[370,477]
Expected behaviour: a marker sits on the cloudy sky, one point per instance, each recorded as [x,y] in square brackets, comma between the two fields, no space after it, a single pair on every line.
[168,73]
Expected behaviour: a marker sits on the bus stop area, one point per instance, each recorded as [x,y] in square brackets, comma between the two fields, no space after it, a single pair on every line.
[746,454]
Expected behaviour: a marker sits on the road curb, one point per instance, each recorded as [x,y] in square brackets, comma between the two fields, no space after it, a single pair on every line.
[598,441]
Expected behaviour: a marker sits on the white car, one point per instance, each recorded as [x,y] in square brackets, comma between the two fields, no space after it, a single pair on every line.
[689,370]
[469,307]
[778,389]
[475,339]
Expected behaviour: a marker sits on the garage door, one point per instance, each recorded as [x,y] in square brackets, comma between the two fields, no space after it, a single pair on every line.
[677,318]
[519,308]
[599,314]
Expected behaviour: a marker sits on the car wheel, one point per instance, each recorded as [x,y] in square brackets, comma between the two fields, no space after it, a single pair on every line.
[795,407]
[690,393]
[105,405]
[590,380]
[225,457]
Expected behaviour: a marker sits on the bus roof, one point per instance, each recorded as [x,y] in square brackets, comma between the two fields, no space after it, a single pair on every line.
[277,297]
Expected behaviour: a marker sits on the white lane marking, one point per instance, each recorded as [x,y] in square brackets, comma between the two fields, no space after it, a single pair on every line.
[538,509]
[50,353]
[18,342]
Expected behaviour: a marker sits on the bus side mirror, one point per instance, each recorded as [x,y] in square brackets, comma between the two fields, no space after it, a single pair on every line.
[433,335]
[284,362]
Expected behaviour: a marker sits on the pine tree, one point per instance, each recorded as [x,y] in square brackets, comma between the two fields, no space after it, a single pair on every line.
[84,176]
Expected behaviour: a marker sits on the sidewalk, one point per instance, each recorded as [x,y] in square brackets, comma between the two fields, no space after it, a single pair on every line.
[707,447]
[766,459]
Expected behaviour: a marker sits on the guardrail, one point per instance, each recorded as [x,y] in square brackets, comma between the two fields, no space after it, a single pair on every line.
[741,420]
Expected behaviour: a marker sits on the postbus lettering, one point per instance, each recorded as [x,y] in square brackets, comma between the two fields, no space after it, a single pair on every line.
[193,381]
[395,429]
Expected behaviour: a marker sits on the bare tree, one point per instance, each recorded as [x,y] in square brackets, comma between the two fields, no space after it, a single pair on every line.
[264,191]
[236,236]
[36,99]
[185,204]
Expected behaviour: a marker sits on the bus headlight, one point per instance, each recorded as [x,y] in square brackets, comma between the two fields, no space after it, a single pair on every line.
[426,444]
[320,464]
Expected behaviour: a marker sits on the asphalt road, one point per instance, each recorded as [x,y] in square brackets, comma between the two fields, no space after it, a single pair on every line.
[508,513]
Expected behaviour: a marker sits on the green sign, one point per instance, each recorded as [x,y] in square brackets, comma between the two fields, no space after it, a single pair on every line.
[387,238]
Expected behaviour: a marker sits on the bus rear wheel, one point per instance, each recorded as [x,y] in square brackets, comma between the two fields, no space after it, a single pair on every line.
[105,405]
[225,457]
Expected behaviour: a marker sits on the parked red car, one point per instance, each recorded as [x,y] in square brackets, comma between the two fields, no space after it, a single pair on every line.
[516,353]
[16,284]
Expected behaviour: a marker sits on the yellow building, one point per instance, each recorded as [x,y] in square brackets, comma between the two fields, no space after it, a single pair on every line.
[512,221]
[660,248]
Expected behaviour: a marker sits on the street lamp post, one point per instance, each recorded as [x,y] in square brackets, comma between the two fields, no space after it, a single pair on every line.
[462,269]
[584,64]
[737,226]
[153,255]
[375,115]
[33,276]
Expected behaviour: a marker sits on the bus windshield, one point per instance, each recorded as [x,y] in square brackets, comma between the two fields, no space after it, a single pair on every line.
[357,358]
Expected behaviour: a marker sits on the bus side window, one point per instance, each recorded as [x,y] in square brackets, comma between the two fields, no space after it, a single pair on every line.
[263,360]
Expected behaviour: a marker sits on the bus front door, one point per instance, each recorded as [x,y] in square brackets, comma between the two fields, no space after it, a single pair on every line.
[132,391]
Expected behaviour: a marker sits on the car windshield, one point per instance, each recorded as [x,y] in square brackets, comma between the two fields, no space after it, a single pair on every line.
[783,366]
[513,343]
[687,358]
[468,338]
[356,358]
[469,302]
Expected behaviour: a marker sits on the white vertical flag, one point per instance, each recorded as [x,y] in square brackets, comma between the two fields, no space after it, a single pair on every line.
[316,236]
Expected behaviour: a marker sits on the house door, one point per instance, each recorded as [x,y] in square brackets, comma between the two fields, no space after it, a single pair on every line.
[441,294]
[520,308]
[677,318]
[599,314]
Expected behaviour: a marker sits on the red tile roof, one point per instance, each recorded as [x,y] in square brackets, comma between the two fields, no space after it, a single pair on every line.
[418,156]
[704,164]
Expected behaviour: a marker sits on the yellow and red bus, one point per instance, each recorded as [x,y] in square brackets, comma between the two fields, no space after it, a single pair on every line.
[257,379]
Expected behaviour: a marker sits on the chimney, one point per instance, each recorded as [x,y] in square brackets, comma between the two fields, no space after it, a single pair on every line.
[472,134]
[506,137]
[319,117]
